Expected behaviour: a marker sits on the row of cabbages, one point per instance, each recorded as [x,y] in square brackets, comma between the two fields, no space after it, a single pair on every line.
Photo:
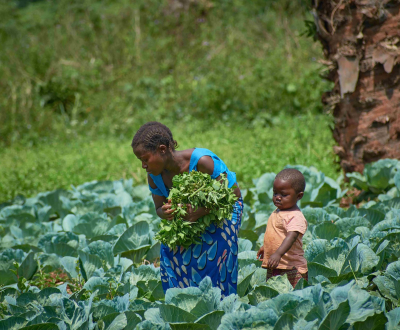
[100,232]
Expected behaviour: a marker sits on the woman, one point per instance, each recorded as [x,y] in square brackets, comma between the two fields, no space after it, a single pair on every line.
[216,256]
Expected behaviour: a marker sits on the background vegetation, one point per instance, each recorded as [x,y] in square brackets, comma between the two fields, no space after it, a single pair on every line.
[79,77]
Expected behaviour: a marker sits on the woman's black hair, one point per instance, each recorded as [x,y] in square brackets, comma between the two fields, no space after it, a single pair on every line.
[152,134]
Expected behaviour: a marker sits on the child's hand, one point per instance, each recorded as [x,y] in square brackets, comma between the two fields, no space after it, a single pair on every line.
[167,211]
[260,253]
[273,260]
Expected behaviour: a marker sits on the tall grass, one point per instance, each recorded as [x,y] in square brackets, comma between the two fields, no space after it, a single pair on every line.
[303,140]
[100,68]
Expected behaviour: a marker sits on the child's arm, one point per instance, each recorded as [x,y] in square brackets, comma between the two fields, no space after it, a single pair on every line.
[287,243]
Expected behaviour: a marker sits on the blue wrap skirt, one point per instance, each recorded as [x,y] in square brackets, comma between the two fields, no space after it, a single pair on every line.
[216,257]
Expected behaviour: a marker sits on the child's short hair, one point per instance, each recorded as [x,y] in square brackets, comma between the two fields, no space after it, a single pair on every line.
[295,177]
[152,134]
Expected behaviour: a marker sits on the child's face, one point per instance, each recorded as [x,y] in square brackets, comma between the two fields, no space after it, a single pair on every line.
[152,162]
[285,196]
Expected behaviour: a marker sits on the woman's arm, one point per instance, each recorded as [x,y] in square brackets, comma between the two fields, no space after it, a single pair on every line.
[162,205]
[287,243]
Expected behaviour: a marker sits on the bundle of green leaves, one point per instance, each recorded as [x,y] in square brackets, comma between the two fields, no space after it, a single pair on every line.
[199,190]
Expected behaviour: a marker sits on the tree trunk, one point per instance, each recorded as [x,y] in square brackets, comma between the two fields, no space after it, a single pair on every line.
[361,41]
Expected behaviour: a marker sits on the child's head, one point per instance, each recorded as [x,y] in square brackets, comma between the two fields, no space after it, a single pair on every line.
[289,185]
[152,145]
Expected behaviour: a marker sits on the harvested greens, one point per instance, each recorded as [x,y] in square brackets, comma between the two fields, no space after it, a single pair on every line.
[199,190]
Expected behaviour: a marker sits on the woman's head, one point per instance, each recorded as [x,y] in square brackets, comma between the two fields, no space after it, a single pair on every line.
[151,144]
[153,134]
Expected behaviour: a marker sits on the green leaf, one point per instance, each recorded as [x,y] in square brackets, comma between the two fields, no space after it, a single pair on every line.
[315,269]
[28,267]
[363,304]
[348,225]
[134,237]
[103,250]
[380,174]
[244,278]
[358,180]
[69,265]
[136,255]
[89,263]
[393,269]
[260,294]
[253,318]
[326,230]
[212,319]
[43,326]
[333,259]
[374,322]
[394,319]
[98,227]
[280,284]
[12,323]
[248,258]
[173,314]
[132,319]
[154,252]
[285,322]
[336,317]
[118,323]
[316,247]
[61,249]
[188,326]
[361,258]
[7,277]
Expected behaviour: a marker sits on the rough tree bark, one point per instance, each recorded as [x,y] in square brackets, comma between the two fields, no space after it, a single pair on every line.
[361,41]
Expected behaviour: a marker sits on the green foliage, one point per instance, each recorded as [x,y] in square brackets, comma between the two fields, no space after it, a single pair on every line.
[199,190]
[102,68]
[380,179]
[248,152]
[98,281]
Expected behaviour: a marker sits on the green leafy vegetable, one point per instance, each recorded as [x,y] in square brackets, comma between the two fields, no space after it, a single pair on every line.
[199,190]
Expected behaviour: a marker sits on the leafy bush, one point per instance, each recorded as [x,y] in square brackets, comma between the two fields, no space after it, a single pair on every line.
[380,179]
[199,190]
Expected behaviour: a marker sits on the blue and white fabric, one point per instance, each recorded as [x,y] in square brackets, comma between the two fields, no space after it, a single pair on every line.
[216,256]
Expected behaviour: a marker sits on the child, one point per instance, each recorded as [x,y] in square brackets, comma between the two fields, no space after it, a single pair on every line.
[282,252]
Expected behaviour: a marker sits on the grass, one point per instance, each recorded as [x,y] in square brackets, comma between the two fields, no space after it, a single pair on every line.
[103,68]
[305,140]
[78,77]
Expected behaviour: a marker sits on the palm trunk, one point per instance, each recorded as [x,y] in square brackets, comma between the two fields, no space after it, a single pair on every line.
[361,41]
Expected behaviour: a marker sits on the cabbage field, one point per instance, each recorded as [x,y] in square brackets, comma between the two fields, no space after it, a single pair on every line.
[86,258]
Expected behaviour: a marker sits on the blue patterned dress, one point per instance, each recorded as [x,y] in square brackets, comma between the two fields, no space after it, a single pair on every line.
[216,257]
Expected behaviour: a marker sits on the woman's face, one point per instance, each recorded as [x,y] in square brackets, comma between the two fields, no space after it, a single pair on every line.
[152,161]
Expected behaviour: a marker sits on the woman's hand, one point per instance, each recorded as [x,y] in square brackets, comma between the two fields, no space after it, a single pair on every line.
[260,253]
[273,260]
[165,211]
[193,215]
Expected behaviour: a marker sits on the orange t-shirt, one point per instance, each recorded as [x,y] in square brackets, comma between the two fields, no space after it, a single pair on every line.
[279,224]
